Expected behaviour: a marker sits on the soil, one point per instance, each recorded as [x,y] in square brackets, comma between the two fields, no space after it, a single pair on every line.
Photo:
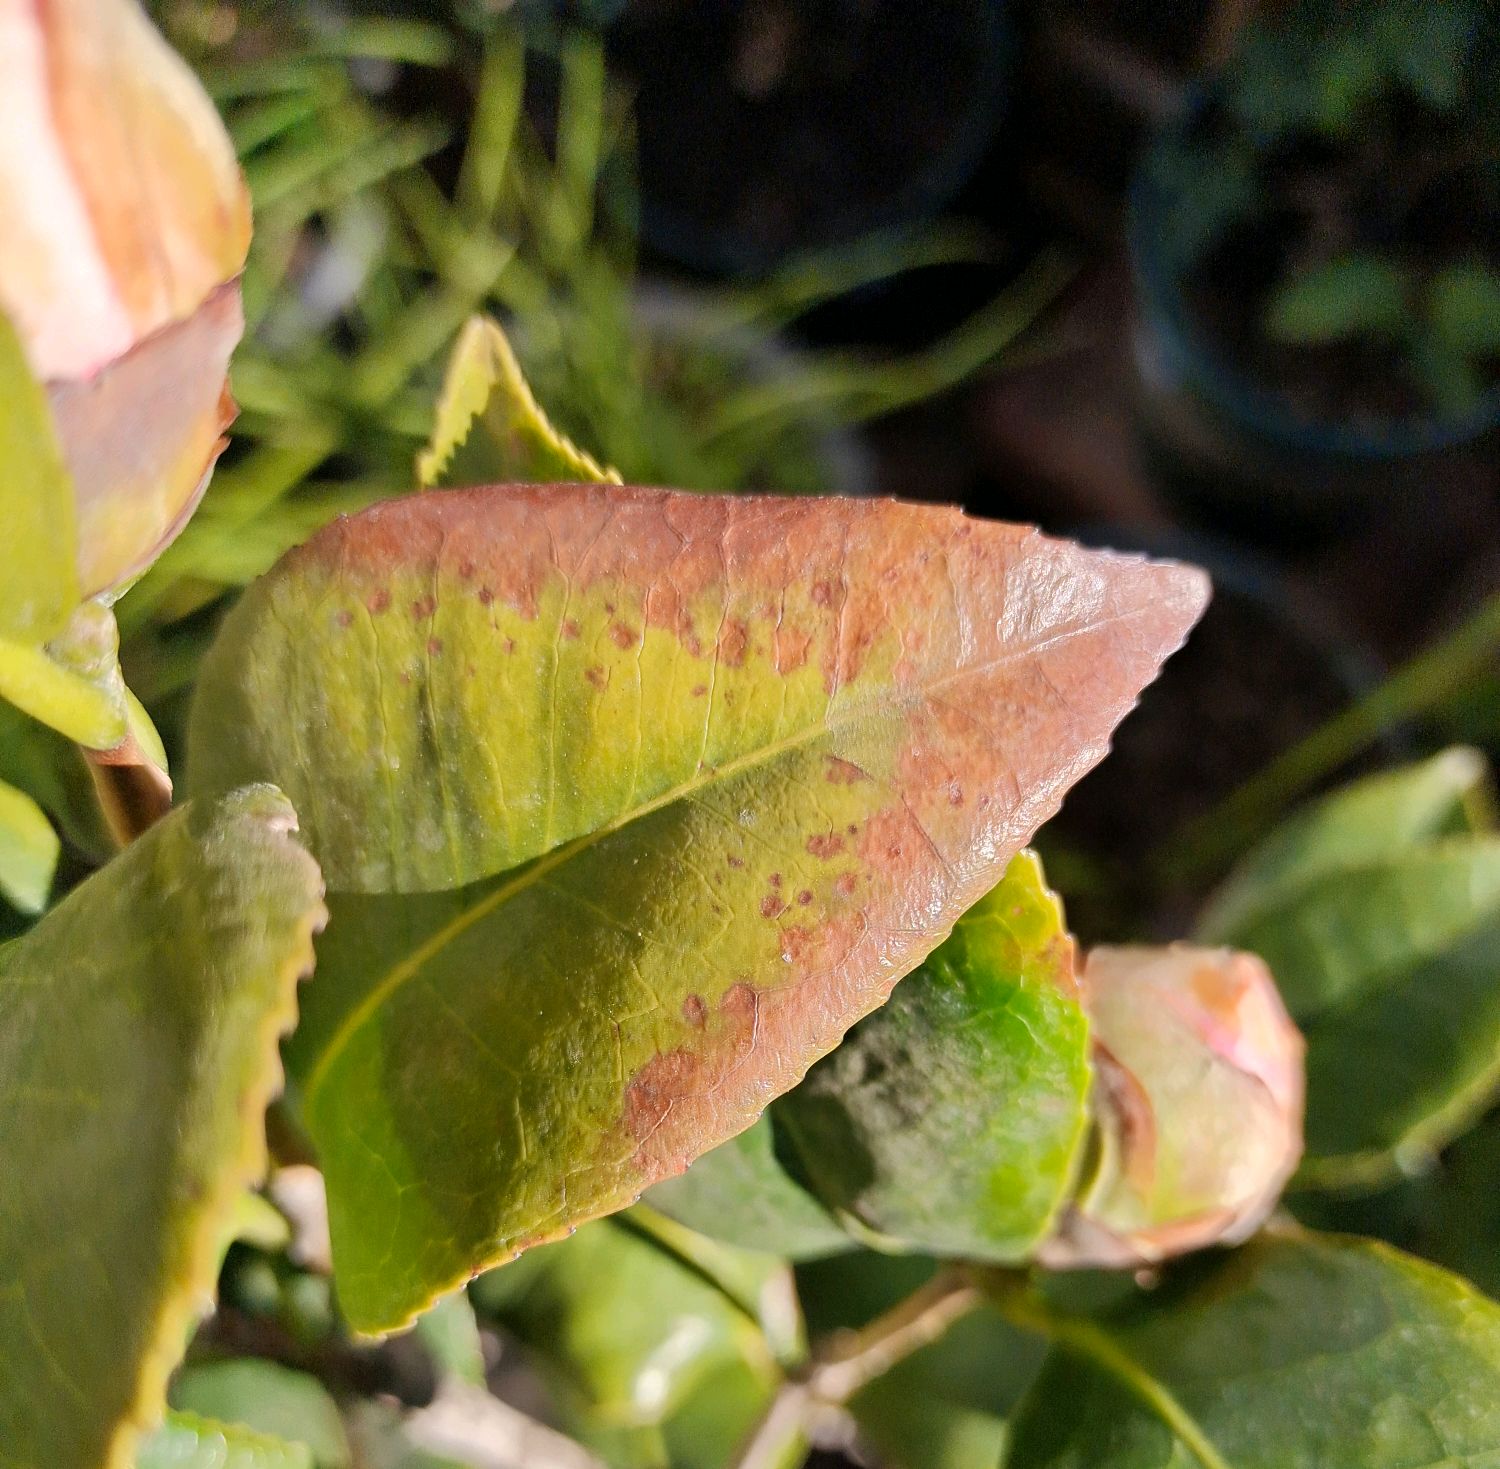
[1410,183]
[789,124]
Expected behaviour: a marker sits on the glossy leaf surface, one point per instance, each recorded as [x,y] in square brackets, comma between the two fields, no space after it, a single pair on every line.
[1299,1352]
[490,428]
[952,1119]
[689,783]
[138,1048]
[1378,911]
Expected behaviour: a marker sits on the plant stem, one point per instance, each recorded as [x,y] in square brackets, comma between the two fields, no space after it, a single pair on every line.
[1420,685]
[849,1361]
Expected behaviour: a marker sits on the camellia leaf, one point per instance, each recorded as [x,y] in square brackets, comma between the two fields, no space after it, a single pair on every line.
[626,1334]
[138,1048]
[1378,911]
[672,788]
[742,1193]
[186,1441]
[1299,1352]
[270,1399]
[953,1119]
[490,427]
[28,851]
[40,586]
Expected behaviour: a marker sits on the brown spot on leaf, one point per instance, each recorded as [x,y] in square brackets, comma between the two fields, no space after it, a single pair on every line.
[597,676]
[771,906]
[805,897]
[822,593]
[699,689]
[842,772]
[486,596]
[623,636]
[734,642]
[466,569]
[343,618]
[424,607]
[378,600]
[694,1011]
[735,861]
[656,1086]
[846,884]
[434,646]
[825,845]
[570,629]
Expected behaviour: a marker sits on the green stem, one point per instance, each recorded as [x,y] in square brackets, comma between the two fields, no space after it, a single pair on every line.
[1419,686]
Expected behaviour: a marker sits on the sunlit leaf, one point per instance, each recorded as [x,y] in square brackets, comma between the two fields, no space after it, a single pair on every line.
[673,789]
[28,851]
[490,427]
[1292,1353]
[186,1441]
[138,1032]
[1378,911]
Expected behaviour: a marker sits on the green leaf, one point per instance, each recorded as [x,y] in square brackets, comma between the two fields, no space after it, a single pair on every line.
[186,1441]
[451,1335]
[632,803]
[741,1193]
[490,428]
[52,769]
[952,1120]
[40,587]
[1464,303]
[1292,1353]
[627,1336]
[1382,928]
[270,1399]
[28,851]
[138,1048]
[1353,296]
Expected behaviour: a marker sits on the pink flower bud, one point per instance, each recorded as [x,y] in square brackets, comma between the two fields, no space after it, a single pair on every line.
[126,223]
[1197,1102]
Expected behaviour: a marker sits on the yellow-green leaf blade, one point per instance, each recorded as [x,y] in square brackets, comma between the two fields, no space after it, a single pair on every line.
[689,782]
[186,1441]
[28,851]
[138,1047]
[40,586]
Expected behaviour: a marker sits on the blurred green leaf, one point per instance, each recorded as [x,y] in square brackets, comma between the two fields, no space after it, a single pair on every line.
[145,1007]
[1338,300]
[51,769]
[1293,1352]
[186,1441]
[953,1119]
[1464,303]
[1378,912]
[270,1399]
[741,1193]
[628,1337]
[28,851]
[40,588]
[72,685]
[490,429]
[451,1335]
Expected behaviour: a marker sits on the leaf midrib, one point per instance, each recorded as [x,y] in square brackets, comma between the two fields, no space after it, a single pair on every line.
[530,873]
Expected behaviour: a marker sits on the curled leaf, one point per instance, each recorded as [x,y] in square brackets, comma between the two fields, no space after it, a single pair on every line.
[1197,1104]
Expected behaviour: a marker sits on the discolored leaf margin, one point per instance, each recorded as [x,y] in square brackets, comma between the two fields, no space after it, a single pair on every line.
[1297,1351]
[146,1006]
[784,743]
[489,426]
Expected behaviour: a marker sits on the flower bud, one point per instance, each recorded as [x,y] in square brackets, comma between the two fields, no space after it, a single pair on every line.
[126,223]
[1197,1102]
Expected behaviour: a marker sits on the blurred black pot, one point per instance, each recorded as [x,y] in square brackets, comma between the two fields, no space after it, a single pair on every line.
[771,127]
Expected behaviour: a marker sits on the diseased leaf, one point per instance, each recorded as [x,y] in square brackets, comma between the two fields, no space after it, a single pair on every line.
[1292,1353]
[626,1335]
[490,428]
[741,1193]
[269,1399]
[673,788]
[40,586]
[28,851]
[953,1119]
[138,1030]
[186,1441]
[1378,911]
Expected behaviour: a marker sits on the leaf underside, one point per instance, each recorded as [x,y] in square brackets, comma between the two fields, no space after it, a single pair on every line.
[631,803]
[138,1048]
